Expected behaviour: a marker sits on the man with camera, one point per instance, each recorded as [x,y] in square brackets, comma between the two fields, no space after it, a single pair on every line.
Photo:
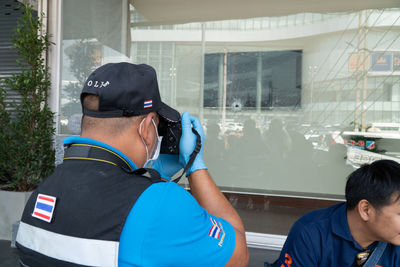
[363,231]
[103,206]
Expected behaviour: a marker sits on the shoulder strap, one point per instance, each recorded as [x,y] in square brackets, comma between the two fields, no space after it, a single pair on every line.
[96,153]
[90,152]
[376,255]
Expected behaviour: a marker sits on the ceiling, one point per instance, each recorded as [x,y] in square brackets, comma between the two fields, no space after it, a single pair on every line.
[184,11]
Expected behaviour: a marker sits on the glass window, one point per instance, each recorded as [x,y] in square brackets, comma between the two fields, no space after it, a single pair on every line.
[291,105]
[276,75]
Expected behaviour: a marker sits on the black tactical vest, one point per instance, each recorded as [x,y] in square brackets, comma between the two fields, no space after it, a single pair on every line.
[94,194]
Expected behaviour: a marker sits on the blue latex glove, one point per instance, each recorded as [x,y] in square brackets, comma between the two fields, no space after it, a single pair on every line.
[188,143]
[167,165]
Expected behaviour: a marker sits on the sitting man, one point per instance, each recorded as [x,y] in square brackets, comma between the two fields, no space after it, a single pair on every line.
[103,207]
[363,231]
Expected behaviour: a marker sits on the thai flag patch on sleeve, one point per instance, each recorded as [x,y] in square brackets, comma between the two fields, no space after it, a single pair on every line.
[148,104]
[215,230]
[44,207]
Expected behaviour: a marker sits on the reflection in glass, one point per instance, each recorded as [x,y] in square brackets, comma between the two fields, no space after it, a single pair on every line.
[290,105]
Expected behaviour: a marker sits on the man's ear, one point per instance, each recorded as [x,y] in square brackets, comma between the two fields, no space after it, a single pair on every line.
[146,128]
[365,209]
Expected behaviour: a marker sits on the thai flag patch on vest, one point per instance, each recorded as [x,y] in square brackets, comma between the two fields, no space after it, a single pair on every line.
[44,207]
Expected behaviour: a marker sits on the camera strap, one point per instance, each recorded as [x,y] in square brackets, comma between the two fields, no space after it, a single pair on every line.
[192,156]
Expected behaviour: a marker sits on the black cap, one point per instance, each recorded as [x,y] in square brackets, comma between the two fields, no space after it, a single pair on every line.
[126,90]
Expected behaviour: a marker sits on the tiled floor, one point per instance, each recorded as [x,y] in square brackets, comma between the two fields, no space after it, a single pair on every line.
[9,257]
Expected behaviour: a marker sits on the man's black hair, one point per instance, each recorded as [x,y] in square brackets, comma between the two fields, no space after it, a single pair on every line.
[377,182]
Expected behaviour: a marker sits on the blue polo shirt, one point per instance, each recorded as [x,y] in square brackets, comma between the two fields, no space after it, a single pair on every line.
[322,238]
[167,227]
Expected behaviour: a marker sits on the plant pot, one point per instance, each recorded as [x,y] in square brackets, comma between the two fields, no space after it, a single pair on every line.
[12,205]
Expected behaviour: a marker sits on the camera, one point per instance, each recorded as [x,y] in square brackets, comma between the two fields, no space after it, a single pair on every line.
[171,133]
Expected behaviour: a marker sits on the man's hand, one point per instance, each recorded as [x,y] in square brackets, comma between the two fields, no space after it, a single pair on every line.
[188,143]
[167,165]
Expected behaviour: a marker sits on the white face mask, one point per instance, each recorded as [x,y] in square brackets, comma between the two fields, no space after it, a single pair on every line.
[156,151]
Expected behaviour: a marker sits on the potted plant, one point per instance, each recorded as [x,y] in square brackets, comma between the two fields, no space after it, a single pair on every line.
[27,127]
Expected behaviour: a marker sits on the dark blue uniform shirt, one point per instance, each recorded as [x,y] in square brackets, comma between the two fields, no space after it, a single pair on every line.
[322,238]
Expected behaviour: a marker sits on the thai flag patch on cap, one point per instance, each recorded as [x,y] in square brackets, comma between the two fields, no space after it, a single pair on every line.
[215,230]
[44,207]
[148,104]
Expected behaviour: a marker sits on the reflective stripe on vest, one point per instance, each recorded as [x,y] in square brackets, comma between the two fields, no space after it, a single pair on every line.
[76,250]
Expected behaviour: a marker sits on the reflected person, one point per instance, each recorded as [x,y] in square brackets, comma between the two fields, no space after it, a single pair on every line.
[247,155]
[277,139]
[300,154]
[214,150]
